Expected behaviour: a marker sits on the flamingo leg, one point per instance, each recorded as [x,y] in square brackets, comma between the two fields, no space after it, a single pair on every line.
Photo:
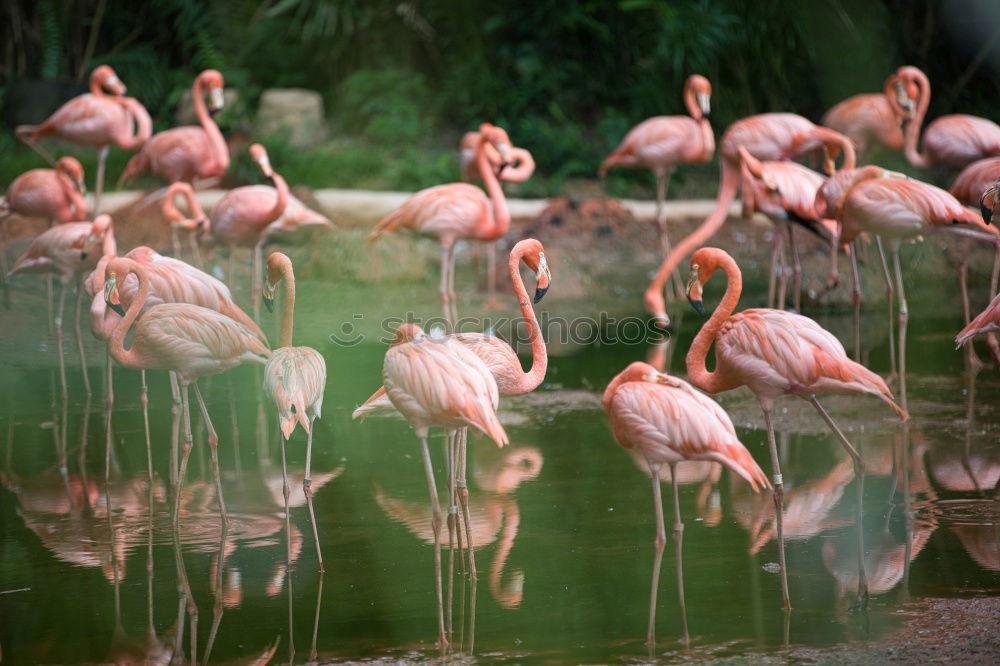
[188,444]
[451,444]
[319,605]
[859,484]
[796,270]
[79,337]
[779,494]
[110,401]
[436,527]
[452,297]
[102,158]
[144,399]
[658,545]
[491,276]
[676,291]
[24,133]
[258,250]
[678,548]
[286,492]
[463,498]
[213,445]
[904,314]
[195,250]
[175,242]
[783,278]
[307,490]
[443,286]
[217,606]
[175,427]
[974,364]
[772,278]
[856,300]
[59,342]
[893,366]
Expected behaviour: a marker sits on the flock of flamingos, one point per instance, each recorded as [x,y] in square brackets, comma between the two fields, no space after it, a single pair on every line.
[186,322]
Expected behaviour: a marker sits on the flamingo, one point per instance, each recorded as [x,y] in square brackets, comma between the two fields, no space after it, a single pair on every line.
[294,377]
[668,421]
[872,119]
[785,192]
[457,210]
[435,381]
[186,339]
[987,321]
[241,216]
[66,250]
[661,143]
[95,119]
[951,141]
[177,221]
[775,353]
[973,183]
[767,136]
[187,153]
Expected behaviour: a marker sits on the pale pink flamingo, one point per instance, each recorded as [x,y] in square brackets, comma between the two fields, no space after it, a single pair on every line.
[951,141]
[435,381]
[67,251]
[897,209]
[767,136]
[189,340]
[294,377]
[661,143]
[669,421]
[55,194]
[95,119]
[785,192]
[455,211]
[871,119]
[774,353]
[189,153]
[241,216]
[195,221]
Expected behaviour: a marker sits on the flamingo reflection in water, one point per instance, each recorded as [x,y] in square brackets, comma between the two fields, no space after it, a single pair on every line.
[668,421]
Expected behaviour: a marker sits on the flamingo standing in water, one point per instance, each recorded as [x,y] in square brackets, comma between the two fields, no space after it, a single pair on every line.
[455,211]
[188,153]
[67,250]
[95,119]
[668,421]
[294,377]
[872,119]
[435,381]
[661,143]
[186,339]
[768,136]
[951,141]
[195,221]
[775,353]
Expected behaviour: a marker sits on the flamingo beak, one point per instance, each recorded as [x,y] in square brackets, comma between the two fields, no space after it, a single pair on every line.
[984,210]
[81,186]
[265,166]
[705,102]
[268,293]
[111,295]
[216,100]
[87,244]
[504,150]
[694,293]
[543,278]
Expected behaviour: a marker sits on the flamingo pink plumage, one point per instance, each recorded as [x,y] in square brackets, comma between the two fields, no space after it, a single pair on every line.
[186,339]
[986,321]
[767,136]
[192,152]
[773,353]
[195,221]
[872,119]
[294,378]
[95,119]
[971,185]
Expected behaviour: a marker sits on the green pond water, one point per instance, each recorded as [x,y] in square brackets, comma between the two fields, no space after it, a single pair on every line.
[562,519]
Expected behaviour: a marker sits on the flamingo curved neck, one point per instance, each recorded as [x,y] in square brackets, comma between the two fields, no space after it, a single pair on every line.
[528,381]
[95,86]
[130,358]
[698,373]
[140,127]
[500,222]
[281,201]
[77,204]
[691,102]
[288,316]
[913,127]
[220,152]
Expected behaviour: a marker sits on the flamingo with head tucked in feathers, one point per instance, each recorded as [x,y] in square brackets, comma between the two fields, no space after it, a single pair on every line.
[872,119]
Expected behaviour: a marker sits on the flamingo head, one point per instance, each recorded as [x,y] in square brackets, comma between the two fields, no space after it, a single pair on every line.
[906,91]
[498,137]
[259,155]
[702,267]
[71,167]
[97,231]
[408,332]
[702,90]
[274,270]
[106,78]
[533,256]
[212,79]
[988,204]
[111,296]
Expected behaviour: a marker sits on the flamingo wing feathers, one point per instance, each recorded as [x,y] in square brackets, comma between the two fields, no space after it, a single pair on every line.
[986,321]
[295,377]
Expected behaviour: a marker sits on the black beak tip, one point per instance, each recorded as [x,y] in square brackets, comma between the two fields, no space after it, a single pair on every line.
[200,225]
[83,256]
[540,293]
[269,304]
[698,306]
[985,212]
[117,308]
[213,111]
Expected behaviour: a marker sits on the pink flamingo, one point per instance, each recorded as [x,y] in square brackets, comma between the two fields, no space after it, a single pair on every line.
[987,321]
[242,215]
[435,381]
[951,141]
[668,421]
[785,192]
[187,153]
[970,186]
[66,250]
[456,210]
[661,143]
[186,339]
[872,119]
[775,353]
[767,136]
[294,377]
[95,119]
[177,221]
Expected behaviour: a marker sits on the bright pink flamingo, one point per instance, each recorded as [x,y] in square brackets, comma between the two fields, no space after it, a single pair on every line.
[67,251]
[435,381]
[951,141]
[242,215]
[186,339]
[774,353]
[767,136]
[661,143]
[455,211]
[871,119]
[785,192]
[986,321]
[95,119]
[294,378]
[187,153]
[196,219]
[668,421]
